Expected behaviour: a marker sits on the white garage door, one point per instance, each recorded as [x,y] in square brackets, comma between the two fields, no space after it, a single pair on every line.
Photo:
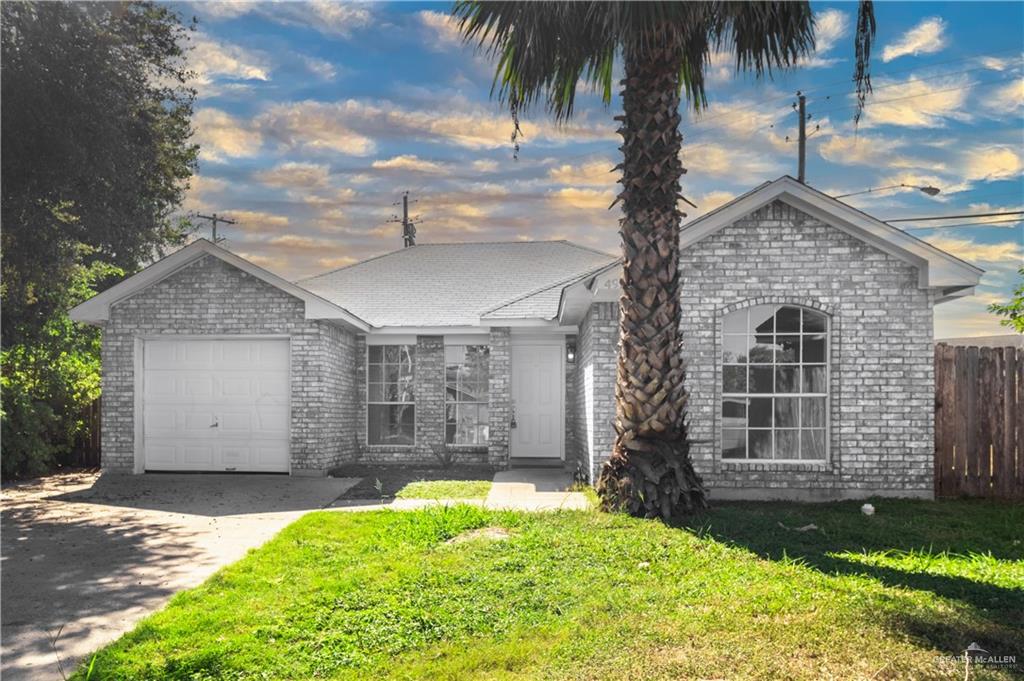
[215,405]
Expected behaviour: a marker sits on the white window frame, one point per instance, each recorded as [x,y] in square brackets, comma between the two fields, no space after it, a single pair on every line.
[723,395]
[369,402]
[444,414]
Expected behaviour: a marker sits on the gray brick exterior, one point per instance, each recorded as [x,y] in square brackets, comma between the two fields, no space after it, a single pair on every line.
[881,382]
[500,396]
[593,403]
[881,377]
[210,297]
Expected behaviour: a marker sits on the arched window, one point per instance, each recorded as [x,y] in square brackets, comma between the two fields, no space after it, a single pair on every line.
[775,383]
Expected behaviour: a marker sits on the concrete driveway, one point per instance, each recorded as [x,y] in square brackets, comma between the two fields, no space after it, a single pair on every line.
[85,557]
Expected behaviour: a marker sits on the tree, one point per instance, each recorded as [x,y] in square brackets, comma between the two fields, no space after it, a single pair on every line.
[96,157]
[543,50]
[1013,310]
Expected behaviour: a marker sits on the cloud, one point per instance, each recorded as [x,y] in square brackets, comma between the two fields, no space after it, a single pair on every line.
[925,38]
[319,67]
[410,162]
[573,197]
[212,59]
[736,162]
[294,176]
[594,173]
[1009,98]
[200,189]
[352,126]
[485,166]
[336,262]
[336,19]
[974,251]
[221,135]
[918,103]
[994,162]
[710,201]
[830,26]
[314,125]
[442,30]
[257,222]
[873,150]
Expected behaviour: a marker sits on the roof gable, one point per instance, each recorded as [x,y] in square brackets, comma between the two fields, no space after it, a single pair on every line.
[97,309]
[937,268]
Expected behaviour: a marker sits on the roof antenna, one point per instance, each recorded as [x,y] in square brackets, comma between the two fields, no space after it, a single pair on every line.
[408,224]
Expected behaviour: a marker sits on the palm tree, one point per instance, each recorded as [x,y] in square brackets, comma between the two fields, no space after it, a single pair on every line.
[543,50]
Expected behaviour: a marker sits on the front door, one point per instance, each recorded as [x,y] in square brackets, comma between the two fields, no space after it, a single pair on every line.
[538,399]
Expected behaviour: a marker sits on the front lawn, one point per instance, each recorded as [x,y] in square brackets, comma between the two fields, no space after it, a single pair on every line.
[747,590]
[445,489]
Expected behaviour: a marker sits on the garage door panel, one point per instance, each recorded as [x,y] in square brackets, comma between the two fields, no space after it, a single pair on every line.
[240,385]
[197,455]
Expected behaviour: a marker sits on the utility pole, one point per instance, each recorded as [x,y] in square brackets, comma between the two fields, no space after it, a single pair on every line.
[802,165]
[408,224]
[214,219]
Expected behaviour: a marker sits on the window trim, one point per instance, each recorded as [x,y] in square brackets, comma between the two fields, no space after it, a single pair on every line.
[444,387]
[367,402]
[721,394]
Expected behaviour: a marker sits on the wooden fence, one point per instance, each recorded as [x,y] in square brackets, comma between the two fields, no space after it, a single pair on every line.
[979,425]
[87,447]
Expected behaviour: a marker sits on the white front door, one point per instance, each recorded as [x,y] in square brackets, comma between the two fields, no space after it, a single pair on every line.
[215,405]
[538,398]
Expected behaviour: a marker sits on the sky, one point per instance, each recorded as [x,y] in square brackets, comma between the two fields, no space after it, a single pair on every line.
[314,117]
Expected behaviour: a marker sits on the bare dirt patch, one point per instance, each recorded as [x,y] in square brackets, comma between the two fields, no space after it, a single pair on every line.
[488,533]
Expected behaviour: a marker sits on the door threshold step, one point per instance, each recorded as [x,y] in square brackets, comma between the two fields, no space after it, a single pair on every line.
[535,463]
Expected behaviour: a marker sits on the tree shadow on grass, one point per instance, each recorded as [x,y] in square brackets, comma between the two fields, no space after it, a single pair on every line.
[844,541]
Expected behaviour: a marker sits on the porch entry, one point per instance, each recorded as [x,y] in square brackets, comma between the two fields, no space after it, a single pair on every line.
[538,399]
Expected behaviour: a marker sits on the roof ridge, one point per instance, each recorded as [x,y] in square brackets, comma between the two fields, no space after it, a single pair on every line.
[562,282]
[454,243]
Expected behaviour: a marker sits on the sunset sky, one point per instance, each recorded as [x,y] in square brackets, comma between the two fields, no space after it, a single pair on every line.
[314,117]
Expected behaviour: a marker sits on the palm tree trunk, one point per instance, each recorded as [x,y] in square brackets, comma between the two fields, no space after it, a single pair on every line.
[650,473]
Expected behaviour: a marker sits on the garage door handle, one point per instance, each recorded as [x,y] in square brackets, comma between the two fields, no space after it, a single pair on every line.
[215,423]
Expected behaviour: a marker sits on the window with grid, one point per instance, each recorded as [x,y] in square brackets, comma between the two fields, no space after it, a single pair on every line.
[390,404]
[774,383]
[466,377]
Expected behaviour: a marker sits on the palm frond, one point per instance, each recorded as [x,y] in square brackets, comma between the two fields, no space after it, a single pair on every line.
[863,39]
[545,49]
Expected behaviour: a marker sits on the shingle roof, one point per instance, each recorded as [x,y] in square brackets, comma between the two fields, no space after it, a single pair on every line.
[455,284]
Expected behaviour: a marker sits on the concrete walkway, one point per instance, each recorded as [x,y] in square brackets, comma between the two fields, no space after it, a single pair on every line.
[534,489]
[86,557]
[519,489]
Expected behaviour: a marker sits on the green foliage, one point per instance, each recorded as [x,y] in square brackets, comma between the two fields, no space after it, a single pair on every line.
[96,158]
[1013,310]
[737,594]
[46,384]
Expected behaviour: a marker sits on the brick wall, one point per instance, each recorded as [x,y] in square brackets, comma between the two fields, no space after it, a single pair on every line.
[881,377]
[594,400]
[500,398]
[211,297]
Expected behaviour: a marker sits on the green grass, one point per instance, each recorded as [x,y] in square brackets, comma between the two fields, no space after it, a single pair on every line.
[445,489]
[578,595]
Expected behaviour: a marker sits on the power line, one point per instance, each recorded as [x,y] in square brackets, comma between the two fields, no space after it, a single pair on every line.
[956,217]
[969,224]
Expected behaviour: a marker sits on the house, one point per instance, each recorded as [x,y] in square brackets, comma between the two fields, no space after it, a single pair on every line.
[807,335]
